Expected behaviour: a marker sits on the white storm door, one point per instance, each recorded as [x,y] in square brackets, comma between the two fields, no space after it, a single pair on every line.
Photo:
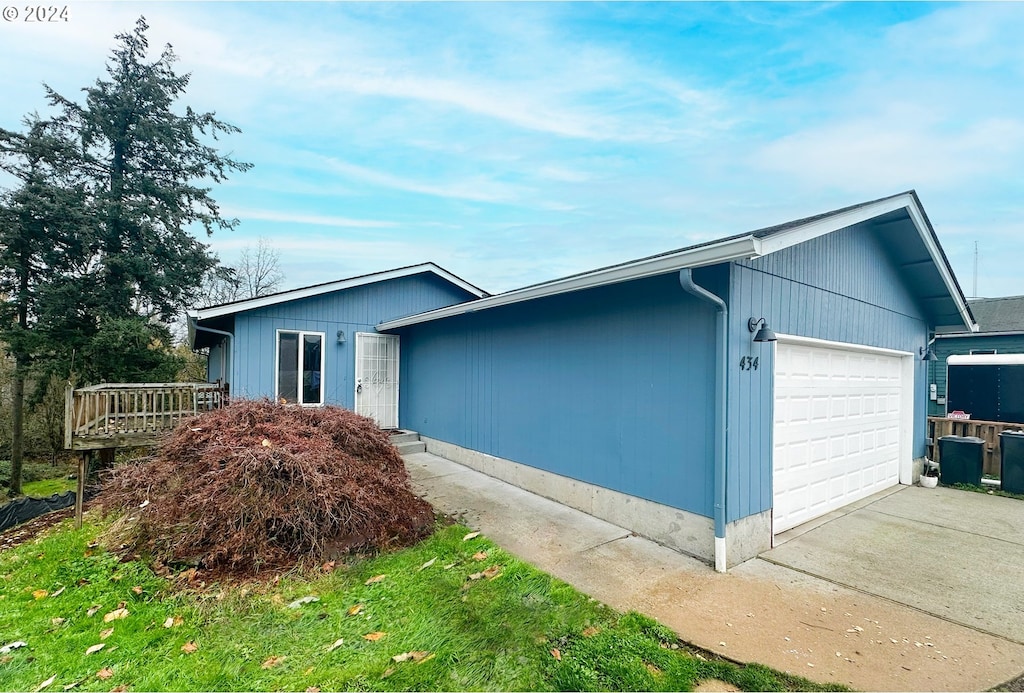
[837,431]
[377,378]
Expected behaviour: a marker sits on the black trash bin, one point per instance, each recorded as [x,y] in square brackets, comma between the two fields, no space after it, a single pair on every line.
[960,460]
[1011,461]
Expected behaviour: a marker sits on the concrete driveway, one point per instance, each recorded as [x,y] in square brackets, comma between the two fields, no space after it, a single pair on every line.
[954,554]
[880,598]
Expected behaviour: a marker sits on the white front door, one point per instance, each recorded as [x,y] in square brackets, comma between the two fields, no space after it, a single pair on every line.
[377,378]
[839,427]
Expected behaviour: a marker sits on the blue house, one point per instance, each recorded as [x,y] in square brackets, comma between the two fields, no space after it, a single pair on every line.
[1001,332]
[709,397]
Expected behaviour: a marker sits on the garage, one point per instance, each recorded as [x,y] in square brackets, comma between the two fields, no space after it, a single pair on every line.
[841,426]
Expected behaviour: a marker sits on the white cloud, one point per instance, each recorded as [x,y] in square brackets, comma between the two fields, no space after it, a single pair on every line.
[305,219]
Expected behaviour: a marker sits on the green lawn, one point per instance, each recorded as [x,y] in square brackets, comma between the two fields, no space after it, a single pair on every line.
[514,628]
[48,487]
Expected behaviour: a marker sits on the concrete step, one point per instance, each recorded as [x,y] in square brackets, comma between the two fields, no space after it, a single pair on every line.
[404,437]
[411,447]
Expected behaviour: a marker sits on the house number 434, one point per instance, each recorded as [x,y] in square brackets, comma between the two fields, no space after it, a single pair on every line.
[749,363]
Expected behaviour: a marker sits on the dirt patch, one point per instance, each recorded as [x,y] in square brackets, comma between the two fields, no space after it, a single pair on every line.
[27,531]
[714,686]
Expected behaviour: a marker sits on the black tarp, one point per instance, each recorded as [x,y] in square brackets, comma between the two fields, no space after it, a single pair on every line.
[25,509]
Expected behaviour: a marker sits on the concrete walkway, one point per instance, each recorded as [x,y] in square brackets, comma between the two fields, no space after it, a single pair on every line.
[759,612]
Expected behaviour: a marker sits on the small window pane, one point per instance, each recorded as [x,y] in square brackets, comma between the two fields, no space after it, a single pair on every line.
[288,367]
[311,369]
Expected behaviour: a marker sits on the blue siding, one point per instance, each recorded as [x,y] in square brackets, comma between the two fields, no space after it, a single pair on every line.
[357,309]
[610,386]
[944,348]
[840,287]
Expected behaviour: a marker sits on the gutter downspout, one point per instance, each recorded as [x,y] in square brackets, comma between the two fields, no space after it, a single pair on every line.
[224,355]
[721,422]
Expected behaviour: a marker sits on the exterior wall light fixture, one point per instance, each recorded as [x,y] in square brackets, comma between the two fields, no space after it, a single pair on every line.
[926,354]
[341,336]
[764,334]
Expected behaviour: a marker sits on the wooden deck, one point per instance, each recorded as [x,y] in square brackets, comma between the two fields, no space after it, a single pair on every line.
[115,415]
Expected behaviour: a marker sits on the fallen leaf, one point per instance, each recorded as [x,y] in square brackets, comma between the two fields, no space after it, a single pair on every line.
[104,673]
[556,654]
[58,592]
[492,572]
[655,671]
[272,662]
[450,566]
[425,659]
[265,443]
[471,535]
[388,672]
[46,683]
[428,563]
[104,634]
[115,615]
[137,589]
[475,576]
[12,646]
[73,684]
[353,610]
[172,621]
[144,503]
[39,594]
[591,631]
[95,648]
[312,689]
[189,647]
[57,621]
[304,600]
[329,566]
[374,636]
[337,643]
[416,656]
[375,579]
[119,689]
[480,556]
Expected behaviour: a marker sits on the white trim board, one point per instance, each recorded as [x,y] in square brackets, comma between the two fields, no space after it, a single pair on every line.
[253,303]
[744,247]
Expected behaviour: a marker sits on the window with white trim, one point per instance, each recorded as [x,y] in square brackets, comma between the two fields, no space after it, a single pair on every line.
[300,367]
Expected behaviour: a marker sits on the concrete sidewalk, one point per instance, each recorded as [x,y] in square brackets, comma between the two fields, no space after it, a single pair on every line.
[758,612]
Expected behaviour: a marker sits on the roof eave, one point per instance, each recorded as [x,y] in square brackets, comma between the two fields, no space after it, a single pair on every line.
[744,247]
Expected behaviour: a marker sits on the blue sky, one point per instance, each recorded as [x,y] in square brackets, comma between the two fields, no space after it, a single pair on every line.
[514,143]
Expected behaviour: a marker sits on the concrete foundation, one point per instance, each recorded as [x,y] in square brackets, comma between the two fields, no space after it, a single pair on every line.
[677,529]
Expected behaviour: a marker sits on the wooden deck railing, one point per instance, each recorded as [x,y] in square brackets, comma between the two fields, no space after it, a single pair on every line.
[133,414]
[986,430]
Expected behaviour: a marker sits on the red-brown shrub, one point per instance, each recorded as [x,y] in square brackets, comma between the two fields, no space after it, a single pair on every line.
[258,484]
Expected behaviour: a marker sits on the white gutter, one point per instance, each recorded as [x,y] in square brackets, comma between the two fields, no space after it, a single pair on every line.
[741,248]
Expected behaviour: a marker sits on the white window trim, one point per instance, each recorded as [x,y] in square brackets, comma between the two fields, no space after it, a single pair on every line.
[323,362]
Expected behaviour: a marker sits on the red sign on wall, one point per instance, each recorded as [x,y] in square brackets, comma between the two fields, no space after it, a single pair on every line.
[958,414]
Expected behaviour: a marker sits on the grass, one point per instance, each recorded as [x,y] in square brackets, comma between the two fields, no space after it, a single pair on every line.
[988,490]
[47,487]
[518,630]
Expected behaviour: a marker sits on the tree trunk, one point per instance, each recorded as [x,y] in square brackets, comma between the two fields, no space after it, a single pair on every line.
[18,434]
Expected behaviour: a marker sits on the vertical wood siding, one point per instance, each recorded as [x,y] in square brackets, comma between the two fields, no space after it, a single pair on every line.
[944,348]
[840,287]
[357,309]
[611,386]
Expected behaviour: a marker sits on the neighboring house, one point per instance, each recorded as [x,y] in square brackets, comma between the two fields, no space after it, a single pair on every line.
[637,392]
[1001,331]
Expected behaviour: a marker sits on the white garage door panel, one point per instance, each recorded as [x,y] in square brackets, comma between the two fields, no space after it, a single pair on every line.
[836,429]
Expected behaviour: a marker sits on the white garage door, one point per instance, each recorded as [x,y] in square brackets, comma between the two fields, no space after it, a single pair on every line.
[836,430]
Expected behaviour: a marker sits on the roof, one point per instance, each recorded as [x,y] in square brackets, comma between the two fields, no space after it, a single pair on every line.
[1004,314]
[327,287]
[921,257]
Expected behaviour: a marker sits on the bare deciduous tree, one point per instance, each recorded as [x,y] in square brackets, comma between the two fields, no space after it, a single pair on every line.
[259,270]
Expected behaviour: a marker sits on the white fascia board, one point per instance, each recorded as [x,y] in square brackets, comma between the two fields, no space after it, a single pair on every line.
[944,271]
[741,248]
[962,335]
[253,303]
[806,232]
